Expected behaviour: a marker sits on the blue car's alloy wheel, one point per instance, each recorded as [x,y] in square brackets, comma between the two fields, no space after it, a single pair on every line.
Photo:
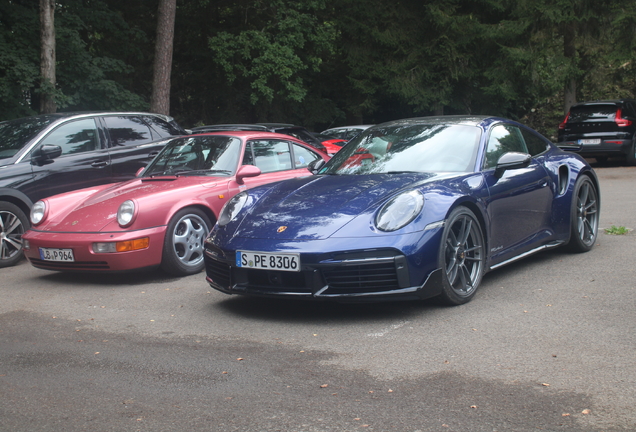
[584,219]
[462,257]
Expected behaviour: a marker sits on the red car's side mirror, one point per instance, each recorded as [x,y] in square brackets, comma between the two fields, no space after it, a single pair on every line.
[247,171]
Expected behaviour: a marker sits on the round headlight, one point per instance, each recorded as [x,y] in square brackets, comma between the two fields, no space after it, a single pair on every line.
[125,213]
[37,212]
[232,208]
[399,211]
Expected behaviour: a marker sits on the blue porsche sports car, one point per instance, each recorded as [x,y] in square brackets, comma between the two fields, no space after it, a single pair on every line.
[410,209]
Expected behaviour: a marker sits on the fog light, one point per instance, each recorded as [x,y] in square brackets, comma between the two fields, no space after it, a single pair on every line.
[25,245]
[104,247]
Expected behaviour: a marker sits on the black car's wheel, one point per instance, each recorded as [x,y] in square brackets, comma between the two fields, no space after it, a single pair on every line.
[183,245]
[584,214]
[631,156]
[461,255]
[13,223]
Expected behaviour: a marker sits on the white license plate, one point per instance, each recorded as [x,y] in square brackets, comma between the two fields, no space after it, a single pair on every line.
[590,141]
[268,261]
[53,254]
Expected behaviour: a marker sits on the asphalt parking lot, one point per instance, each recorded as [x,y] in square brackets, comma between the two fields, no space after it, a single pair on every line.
[547,344]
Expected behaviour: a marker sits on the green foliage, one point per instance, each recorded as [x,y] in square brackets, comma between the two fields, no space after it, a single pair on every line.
[324,63]
[273,49]
[614,230]
[19,58]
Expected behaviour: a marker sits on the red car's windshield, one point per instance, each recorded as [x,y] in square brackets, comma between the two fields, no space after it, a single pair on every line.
[201,155]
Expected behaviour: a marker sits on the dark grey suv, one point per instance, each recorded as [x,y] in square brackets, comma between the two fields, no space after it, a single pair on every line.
[50,154]
[600,130]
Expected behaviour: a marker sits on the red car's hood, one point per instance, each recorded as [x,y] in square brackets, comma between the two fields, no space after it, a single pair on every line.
[95,209]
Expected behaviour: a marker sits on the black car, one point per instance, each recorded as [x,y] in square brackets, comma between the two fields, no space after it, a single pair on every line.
[298,132]
[49,154]
[345,132]
[600,129]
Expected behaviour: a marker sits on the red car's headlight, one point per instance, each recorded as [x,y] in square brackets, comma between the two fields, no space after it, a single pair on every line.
[38,212]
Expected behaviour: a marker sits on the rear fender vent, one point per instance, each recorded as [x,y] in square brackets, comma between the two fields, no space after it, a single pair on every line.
[564,179]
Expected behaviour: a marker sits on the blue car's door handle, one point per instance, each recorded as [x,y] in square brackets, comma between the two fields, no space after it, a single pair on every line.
[99,164]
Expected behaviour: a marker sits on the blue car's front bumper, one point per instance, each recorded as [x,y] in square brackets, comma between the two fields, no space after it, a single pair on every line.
[407,269]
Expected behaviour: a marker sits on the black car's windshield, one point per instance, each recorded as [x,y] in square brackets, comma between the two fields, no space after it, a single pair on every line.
[14,134]
[408,148]
[198,155]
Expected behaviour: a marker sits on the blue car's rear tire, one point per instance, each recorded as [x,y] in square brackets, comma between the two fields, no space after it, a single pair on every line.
[584,215]
[462,255]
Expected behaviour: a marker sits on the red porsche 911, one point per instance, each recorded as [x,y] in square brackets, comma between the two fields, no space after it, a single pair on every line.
[161,217]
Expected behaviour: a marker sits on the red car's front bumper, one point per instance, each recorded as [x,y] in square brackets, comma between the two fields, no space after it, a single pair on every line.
[85,259]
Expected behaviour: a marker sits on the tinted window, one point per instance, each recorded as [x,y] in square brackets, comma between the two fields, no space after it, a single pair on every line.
[535,143]
[74,137]
[163,127]
[592,112]
[126,131]
[503,139]
[14,134]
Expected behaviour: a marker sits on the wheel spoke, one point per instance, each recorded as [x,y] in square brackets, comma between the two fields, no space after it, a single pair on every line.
[583,196]
[465,230]
[464,276]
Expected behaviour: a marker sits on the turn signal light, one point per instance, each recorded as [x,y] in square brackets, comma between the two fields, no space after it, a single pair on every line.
[131,245]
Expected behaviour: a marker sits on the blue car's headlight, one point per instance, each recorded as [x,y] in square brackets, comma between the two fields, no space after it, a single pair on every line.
[399,211]
[232,208]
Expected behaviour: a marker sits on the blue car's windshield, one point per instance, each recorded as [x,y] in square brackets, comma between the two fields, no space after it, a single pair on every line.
[411,148]
[197,155]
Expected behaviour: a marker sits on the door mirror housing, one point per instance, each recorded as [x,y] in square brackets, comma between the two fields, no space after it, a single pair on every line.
[247,171]
[510,161]
[46,153]
[315,165]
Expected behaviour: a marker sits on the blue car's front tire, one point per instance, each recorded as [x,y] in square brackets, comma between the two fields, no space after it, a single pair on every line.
[462,257]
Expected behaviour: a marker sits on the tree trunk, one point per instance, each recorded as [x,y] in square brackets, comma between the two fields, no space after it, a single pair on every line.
[569,52]
[160,99]
[47,57]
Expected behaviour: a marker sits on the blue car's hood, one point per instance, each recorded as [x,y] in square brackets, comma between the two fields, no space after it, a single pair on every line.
[317,207]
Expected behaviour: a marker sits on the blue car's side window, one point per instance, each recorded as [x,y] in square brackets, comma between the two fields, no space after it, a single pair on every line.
[535,143]
[503,139]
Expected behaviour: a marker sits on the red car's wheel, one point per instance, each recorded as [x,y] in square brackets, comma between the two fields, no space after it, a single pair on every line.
[183,245]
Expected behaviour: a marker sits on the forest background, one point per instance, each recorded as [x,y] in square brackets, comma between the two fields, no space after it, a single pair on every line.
[325,63]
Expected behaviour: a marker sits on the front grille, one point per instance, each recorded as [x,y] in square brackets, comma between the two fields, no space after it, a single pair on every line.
[351,273]
[278,281]
[77,265]
[218,271]
[369,278]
